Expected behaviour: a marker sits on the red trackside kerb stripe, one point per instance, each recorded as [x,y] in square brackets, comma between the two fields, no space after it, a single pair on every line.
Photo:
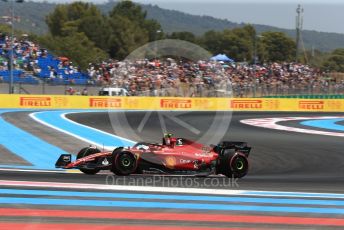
[45,226]
[283,220]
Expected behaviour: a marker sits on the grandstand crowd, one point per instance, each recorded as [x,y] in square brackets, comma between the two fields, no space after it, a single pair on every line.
[167,77]
[208,78]
[33,64]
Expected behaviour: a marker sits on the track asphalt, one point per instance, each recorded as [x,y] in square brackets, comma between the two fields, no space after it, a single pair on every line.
[280,161]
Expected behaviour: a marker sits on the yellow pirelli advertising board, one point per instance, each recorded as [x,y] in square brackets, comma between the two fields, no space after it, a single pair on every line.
[169,103]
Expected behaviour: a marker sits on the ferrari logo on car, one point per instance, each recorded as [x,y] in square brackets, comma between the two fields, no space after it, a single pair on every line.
[170,162]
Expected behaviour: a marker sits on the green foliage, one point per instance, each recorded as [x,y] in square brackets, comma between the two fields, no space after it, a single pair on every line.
[56,20]
[185,35]
[237,43]
[339,52]
[278,47]
[130,29]
[211,41]
[123,26]
[137,16]
[335,61]
[125,37]
[80,17]
[154,29]
[314,58]
[5,29]
[33,13]
[129,10]
[173,21]
[72,15]
[123,30]
[78,31]
[77,47]
[96,28]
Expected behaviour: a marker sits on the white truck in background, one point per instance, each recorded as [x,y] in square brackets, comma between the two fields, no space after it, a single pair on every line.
[112,91]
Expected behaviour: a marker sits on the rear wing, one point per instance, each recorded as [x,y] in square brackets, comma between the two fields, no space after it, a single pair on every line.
[63,161]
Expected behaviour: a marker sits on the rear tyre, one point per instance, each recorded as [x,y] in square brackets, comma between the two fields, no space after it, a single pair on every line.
[232,164]
[224,161]
[84,153]
[124,163]
[239,166]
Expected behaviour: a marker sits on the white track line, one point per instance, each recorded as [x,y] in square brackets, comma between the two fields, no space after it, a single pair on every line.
[32,115]
[63,116]
[32,170]
[118,187]
[199,191]
[271,123]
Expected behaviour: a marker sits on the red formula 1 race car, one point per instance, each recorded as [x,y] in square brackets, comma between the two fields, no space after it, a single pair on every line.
[173,156]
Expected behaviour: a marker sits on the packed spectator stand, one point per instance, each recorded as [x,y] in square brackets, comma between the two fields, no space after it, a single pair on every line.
[208,78]
[167,77]
[32,64]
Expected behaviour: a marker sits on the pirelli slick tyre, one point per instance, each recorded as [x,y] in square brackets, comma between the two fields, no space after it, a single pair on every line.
[232,164]
[124,163]
[84,153]
[239,165]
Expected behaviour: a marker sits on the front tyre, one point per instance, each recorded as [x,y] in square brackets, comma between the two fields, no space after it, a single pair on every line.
[124,163]
[84,153]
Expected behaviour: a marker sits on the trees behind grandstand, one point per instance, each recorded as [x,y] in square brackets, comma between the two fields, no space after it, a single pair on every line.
[78,31]
[242,44]
[237,43]
[81,32]
[277,47]
[114,35]
[335,61]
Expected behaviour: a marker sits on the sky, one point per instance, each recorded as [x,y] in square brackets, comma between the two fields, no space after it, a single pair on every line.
[320,15]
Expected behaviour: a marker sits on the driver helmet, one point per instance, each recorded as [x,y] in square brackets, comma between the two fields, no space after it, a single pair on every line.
[168,139]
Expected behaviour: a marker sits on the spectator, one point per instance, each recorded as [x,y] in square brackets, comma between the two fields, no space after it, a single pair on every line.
[70,91]
[84,92]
